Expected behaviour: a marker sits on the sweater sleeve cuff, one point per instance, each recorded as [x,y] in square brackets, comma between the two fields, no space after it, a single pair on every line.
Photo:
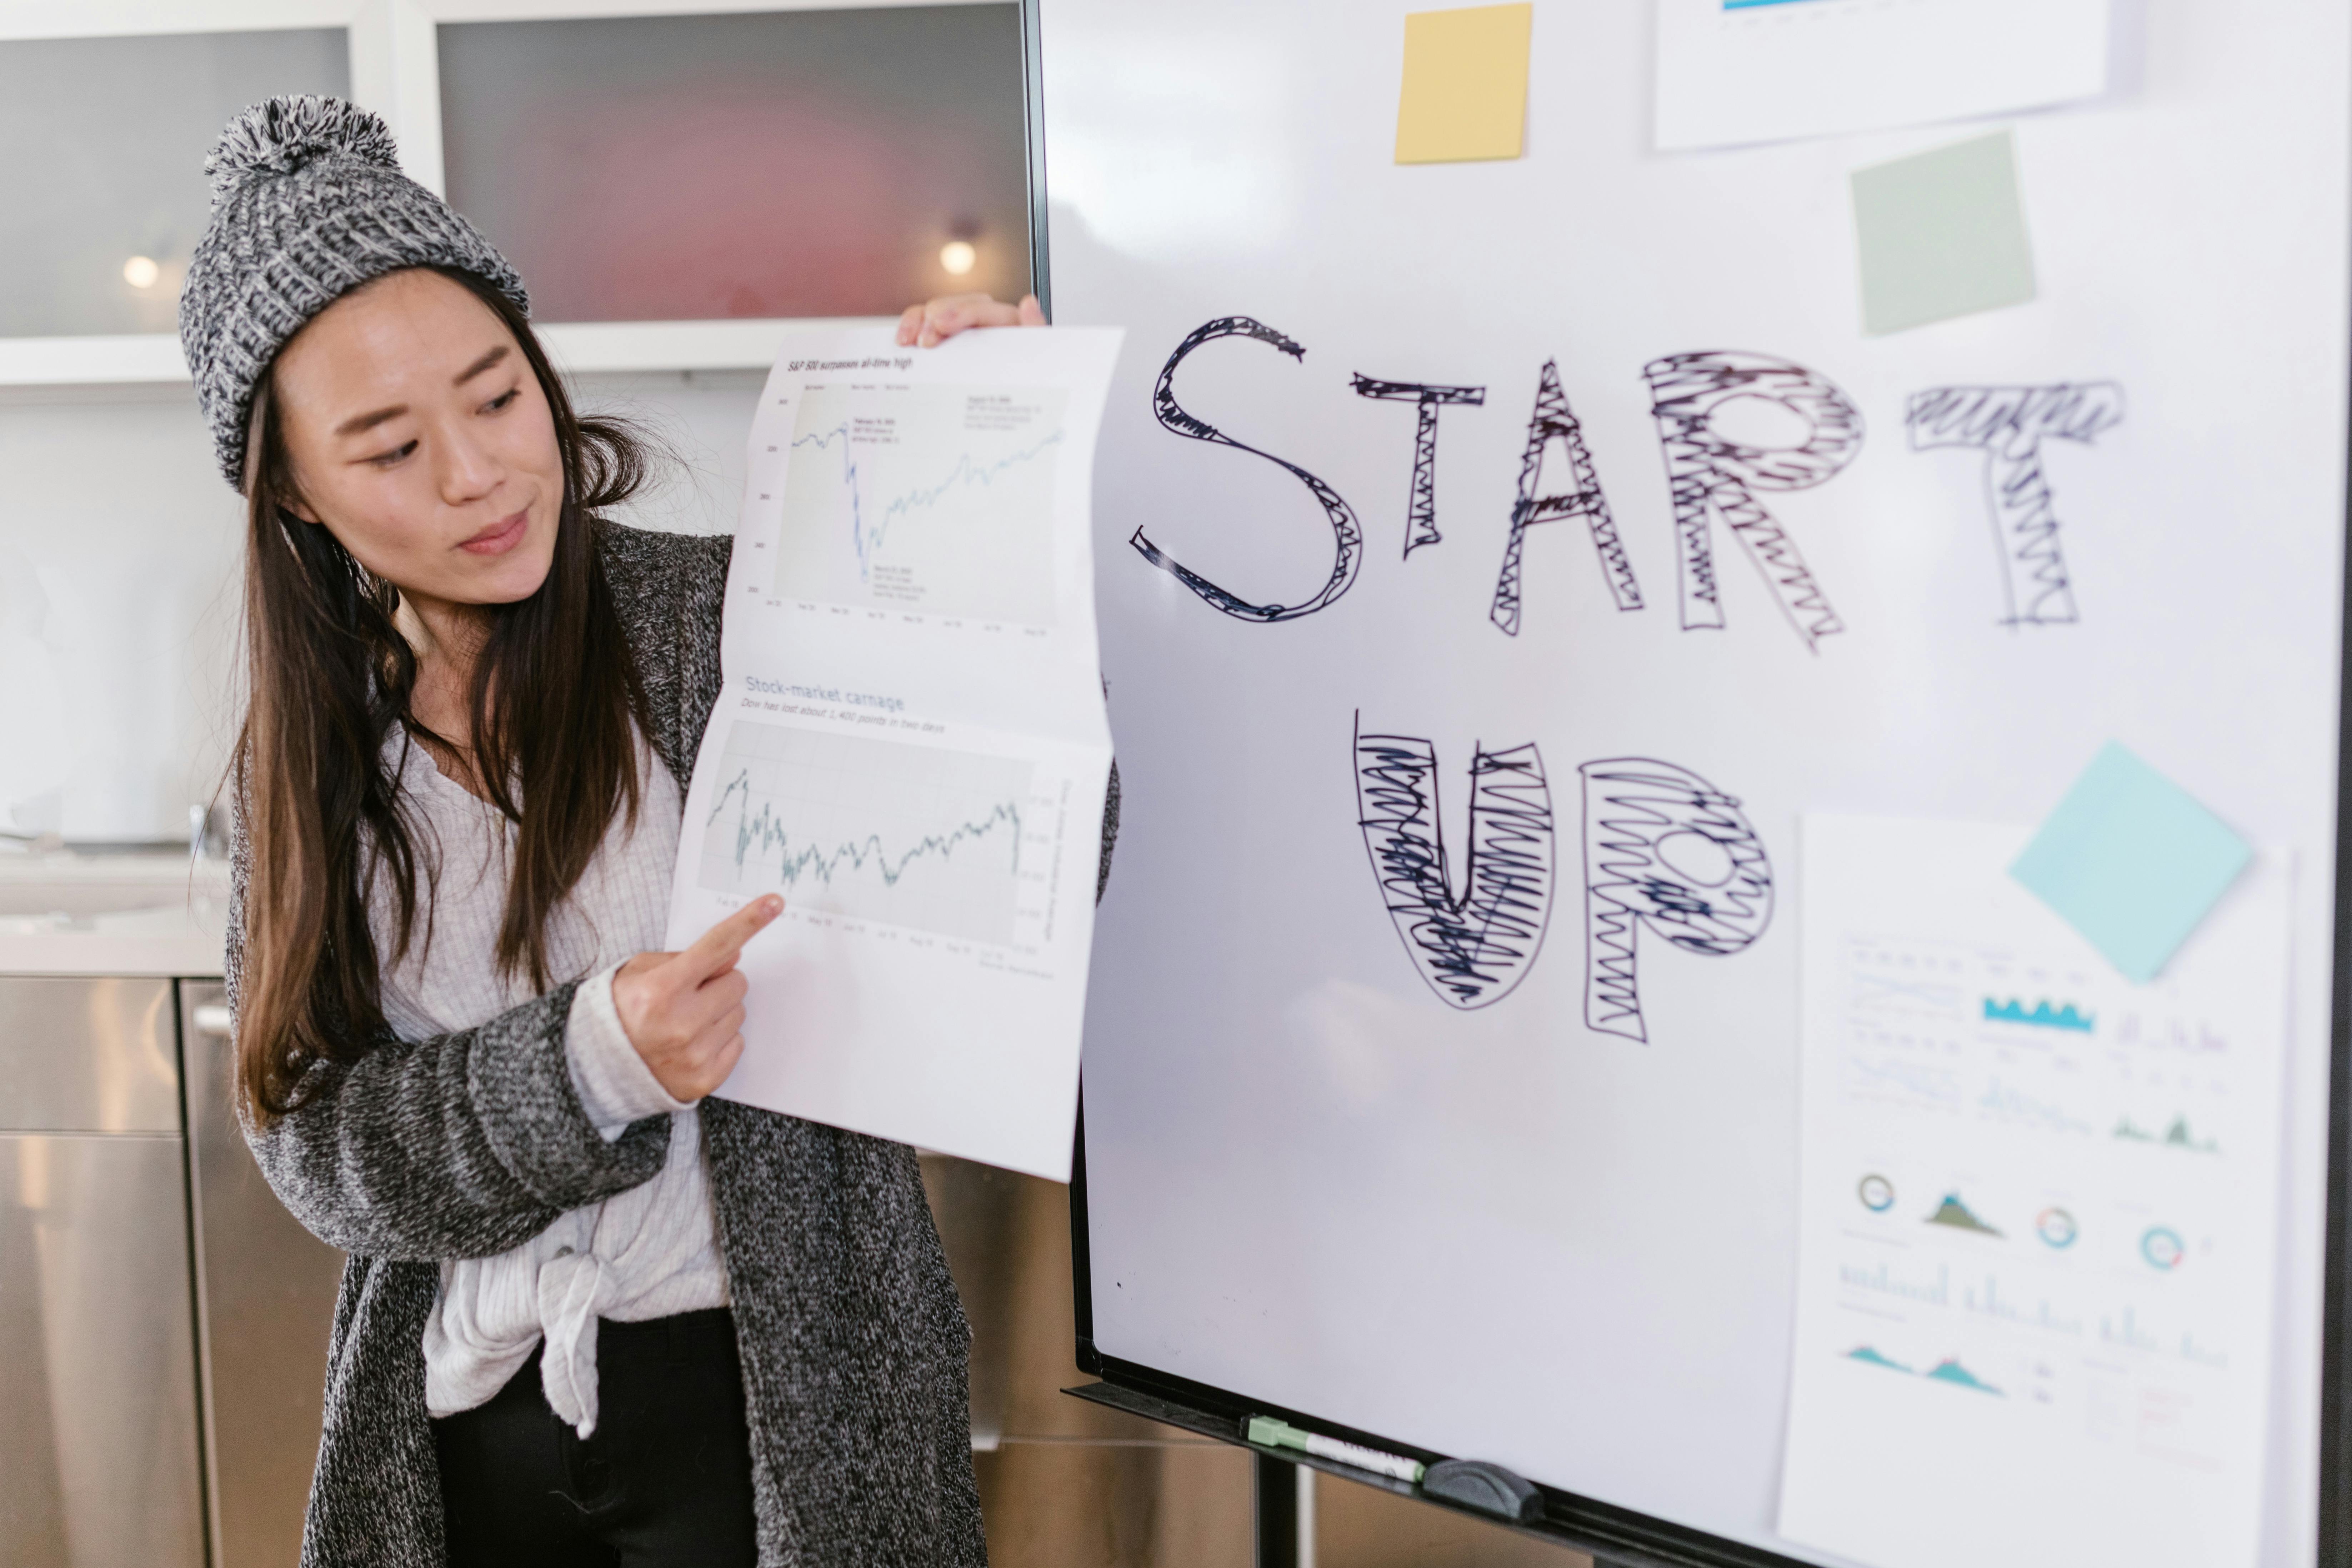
[614,1086]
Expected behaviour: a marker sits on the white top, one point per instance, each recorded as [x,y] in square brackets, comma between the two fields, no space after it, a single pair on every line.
[647,1252]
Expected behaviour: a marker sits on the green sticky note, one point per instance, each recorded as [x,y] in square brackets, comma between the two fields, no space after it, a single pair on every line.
[1466,84]
[2131,861]
[1942,234]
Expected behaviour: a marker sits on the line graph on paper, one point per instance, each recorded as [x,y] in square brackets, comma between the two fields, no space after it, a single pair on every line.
[906,835]
[935,499]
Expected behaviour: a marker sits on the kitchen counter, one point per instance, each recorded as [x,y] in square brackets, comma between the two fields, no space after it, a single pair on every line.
[64,914]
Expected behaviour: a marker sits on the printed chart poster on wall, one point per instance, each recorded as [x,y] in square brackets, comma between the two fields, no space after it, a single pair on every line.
[1736,71]
[1596,974]
[2039,1208]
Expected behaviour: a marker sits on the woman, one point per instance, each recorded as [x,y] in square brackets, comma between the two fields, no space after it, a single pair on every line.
[590,1318]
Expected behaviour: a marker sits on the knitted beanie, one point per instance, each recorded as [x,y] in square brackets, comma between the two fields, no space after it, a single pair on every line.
[308,203]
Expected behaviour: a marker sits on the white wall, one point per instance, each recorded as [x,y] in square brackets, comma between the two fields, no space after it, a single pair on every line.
[121,551]
[118,545]
[703,417]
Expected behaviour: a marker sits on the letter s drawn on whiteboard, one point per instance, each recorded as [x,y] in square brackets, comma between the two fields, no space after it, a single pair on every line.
[1666,848]
[1348,537]
[2008,424]
[1709,472]
[1471,948]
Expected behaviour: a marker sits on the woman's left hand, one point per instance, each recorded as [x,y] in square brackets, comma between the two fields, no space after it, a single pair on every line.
[934,322]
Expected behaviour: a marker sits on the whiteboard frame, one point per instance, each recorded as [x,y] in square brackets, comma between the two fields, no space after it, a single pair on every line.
[2335,1499]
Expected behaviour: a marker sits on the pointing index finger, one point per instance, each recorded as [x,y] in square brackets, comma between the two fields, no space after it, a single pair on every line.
[715,949]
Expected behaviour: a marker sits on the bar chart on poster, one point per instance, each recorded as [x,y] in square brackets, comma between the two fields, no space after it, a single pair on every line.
[1723,626]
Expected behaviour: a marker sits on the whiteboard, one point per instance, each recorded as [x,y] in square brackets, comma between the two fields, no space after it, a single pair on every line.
[1493,1230]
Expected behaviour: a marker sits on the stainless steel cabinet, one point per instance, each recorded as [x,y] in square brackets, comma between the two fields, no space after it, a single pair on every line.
[118,1197]
[268,1302]
[98,1387]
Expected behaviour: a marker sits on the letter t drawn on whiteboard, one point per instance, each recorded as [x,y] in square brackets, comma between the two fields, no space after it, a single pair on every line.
[1420,509]
[2008,424]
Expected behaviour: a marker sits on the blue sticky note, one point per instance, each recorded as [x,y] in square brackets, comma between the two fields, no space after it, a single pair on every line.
[2131,861]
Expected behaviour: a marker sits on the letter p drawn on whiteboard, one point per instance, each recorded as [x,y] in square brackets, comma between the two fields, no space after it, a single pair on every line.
[1665,848]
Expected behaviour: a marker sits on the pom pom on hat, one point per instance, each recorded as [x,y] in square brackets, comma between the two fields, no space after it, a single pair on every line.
[283,135]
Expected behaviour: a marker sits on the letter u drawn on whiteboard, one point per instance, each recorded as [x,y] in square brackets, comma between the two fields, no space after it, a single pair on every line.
[1347,536]
[1474,946]
[1662,848]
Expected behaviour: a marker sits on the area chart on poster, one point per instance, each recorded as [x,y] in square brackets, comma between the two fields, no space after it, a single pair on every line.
[937,499]
[916,837]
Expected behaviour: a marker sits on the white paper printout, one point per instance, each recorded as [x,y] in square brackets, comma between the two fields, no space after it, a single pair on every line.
[2039,1214]
[910,744]
[1737,71]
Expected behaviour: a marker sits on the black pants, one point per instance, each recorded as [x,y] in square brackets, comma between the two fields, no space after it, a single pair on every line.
[664,1482]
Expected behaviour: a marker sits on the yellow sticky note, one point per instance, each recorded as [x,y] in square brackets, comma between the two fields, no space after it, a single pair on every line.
[1466,84]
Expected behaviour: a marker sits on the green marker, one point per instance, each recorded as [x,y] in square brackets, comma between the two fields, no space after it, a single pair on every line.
[1269,1432]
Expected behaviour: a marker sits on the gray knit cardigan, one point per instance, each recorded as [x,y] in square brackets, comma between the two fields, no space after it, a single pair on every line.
[854,1344]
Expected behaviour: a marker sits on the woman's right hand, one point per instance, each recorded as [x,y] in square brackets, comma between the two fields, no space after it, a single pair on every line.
[934,322]
[684,1010]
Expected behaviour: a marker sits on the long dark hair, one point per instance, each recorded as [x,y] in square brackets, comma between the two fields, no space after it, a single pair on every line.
[553,699]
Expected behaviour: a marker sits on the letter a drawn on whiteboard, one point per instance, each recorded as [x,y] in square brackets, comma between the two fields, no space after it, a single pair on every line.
[1555,421]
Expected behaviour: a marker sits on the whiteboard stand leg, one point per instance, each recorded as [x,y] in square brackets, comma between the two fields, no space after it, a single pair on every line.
[1305,1515]
[1278,1487]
